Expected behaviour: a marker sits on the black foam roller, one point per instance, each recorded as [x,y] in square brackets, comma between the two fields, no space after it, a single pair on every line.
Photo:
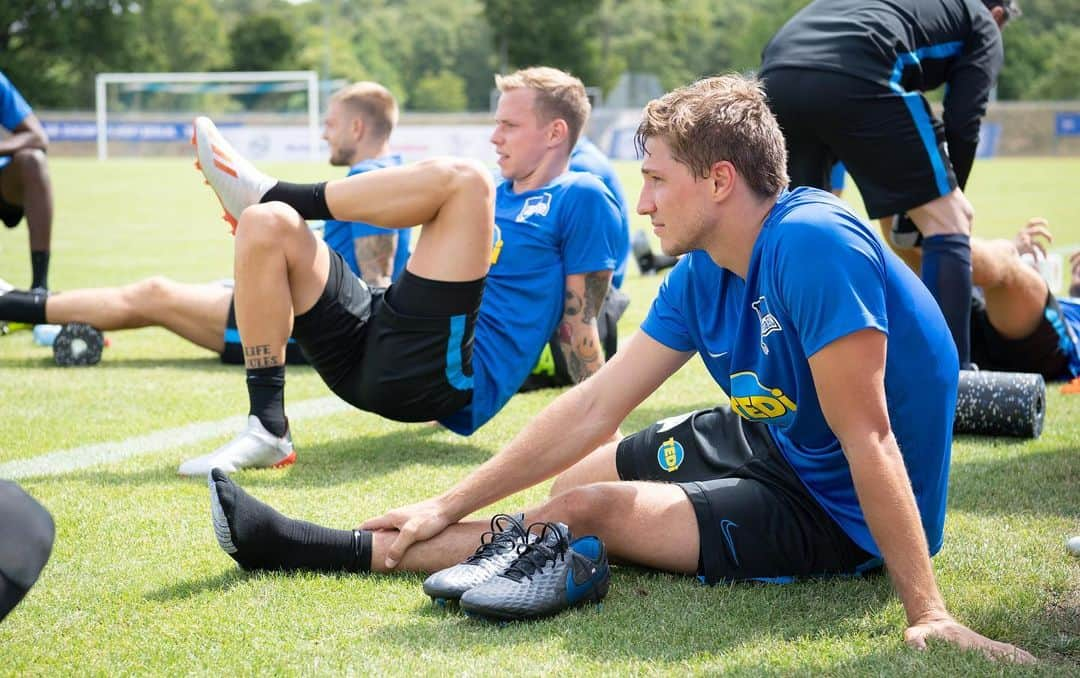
[1000,404]
[78,344]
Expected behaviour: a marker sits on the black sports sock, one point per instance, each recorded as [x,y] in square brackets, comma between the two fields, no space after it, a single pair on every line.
[307,199]
[946,271]
[266,540]
[39,263]
[23,306]
[266,395]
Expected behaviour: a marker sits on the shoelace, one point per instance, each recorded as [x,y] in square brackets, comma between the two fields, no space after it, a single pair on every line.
[534,555]
[498,538]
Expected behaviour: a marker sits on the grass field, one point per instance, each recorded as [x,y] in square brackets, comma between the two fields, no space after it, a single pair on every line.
[138,585]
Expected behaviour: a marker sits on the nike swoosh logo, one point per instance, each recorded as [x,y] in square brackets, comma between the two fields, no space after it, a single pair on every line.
[725,527]
[587,571]
[717,355]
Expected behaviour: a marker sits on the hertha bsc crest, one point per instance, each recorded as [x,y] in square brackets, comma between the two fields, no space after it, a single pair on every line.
[769,323]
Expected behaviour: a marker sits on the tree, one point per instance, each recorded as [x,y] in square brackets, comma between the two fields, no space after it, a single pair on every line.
[262,42]
[444,91]
[552,33]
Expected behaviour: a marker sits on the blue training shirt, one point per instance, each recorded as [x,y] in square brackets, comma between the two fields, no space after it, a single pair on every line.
[818,273]
[569,226]
[13,110]
[586,157]
[1070,310]
[339,235]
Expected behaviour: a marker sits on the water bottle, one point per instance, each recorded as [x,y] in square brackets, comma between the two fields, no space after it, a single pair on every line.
[45,335]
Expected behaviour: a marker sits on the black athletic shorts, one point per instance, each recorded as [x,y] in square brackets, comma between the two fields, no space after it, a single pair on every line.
[756,520]
[401,367]
[10,214]
[233,353]
[1042,352]
[891,143]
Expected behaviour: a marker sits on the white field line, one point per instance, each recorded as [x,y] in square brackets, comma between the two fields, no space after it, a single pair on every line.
[66,461]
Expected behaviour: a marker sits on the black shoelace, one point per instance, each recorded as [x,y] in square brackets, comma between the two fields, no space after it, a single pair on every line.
[498,538]
[533,556]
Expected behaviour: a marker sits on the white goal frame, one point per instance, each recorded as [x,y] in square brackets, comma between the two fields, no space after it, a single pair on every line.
[311,78]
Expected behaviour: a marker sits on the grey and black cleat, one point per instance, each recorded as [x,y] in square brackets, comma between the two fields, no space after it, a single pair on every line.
[78,344]
[498,548]
[550,575]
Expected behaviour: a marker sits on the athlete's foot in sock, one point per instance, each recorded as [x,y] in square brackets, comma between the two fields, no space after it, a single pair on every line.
[245,527]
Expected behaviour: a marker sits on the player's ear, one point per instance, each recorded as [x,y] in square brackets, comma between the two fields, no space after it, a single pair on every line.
[722,178]
[558,131]
[358,127]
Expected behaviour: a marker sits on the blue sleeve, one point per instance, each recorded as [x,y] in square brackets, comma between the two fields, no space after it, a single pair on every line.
[843,293]
[666,322]
[591,228]
[13,108]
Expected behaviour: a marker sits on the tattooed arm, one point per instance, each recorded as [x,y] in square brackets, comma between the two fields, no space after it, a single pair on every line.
[579,338]
[375,257]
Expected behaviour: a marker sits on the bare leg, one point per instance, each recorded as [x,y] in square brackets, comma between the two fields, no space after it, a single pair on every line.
[453,199]
[1015,293]
[197,313]
[26,182]
[597,467]
[281,270]
[627,516]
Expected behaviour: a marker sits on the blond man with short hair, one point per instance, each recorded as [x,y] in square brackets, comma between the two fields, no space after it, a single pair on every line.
[494,272]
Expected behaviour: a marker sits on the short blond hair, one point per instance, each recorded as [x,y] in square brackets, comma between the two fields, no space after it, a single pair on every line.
[720,118]
[558,95]
[372,102]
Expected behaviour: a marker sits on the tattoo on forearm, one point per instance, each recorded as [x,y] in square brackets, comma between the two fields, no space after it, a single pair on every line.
[596,287]
[572,304]
[375,257]
[260,356]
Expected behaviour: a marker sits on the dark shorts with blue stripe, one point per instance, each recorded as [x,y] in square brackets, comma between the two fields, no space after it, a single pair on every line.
[890,142]
[756,520]
[1045,351]
[377,359]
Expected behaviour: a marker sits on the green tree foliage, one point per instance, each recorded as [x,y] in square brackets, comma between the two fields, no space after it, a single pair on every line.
[262,42]
[443,91]
[550,33]
[52,49]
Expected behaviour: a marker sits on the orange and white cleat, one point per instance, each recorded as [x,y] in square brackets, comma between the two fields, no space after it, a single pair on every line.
[255,447]
[235,180]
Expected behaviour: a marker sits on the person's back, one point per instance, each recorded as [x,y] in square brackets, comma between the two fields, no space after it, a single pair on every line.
[910,44]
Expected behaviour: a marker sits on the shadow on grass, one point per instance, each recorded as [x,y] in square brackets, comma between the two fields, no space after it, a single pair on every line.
[111,363]
[1032,482]
[329,464]
[186,589]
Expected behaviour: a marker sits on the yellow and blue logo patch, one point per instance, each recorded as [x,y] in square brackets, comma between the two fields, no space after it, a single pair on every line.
[751,400]
[670,455]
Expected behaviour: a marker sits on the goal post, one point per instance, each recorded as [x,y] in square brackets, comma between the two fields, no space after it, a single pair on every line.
[229,82]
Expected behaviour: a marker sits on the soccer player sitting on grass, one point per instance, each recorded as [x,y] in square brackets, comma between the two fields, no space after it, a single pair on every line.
[833,456]
[508,264]
[357,129]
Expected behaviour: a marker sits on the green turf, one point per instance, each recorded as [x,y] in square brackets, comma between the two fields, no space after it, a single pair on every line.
[137,584]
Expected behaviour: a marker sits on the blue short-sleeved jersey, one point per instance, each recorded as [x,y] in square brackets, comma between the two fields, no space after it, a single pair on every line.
[567,227]
[1070,310]
[586,157]
[13,109]
[817,273]
[339,235]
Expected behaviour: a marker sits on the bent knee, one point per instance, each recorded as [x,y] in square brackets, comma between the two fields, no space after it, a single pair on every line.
[951,214]
[462,175]
[267,223]
[587,508]
[30,162]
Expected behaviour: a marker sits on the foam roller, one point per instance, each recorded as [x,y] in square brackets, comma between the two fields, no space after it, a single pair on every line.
[78,344]
[1000,404]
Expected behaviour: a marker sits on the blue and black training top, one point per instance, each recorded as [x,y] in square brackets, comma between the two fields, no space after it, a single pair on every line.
[905,46]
